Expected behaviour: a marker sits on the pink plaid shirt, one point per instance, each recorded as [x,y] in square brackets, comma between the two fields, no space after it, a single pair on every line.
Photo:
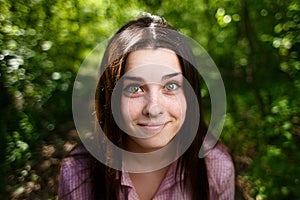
[220,172]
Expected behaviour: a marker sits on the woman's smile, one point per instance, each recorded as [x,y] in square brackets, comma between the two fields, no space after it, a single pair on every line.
[152,127]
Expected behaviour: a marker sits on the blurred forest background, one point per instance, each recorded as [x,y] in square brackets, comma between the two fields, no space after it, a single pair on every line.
[255,44]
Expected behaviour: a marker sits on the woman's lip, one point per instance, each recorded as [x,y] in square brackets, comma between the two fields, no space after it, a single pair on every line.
[140,124]
[152,127]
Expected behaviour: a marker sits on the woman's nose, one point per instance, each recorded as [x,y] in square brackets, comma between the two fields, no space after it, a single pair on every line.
[153,104]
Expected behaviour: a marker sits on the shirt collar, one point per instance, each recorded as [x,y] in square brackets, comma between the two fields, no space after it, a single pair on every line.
[167,182]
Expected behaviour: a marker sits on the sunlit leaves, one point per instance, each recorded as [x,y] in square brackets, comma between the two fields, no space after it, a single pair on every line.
[223,18]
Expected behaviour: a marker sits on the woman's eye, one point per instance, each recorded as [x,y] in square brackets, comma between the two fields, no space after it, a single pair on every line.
[171,86]
[133,89]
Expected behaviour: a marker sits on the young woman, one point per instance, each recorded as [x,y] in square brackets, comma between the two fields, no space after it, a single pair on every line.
[148,100]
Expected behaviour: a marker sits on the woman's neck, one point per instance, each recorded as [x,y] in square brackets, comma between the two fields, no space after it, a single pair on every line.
[147,184]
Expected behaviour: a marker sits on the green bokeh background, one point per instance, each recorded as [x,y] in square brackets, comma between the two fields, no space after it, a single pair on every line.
[255,44]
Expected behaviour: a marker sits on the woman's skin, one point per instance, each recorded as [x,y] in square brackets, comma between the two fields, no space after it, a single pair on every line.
[153,104]
[153,108]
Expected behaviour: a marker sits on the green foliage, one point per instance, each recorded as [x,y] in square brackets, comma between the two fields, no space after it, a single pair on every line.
[256,45]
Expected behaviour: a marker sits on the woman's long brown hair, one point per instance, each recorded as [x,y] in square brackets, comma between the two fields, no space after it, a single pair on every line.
[147,32]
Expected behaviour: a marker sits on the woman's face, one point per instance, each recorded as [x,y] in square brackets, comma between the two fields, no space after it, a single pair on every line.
[153,104]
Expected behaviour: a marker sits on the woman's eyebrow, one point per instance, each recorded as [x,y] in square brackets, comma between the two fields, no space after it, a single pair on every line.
[141,79]
[168,76]
[133,78]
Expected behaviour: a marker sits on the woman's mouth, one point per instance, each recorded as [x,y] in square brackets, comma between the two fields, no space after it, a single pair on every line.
[151,127]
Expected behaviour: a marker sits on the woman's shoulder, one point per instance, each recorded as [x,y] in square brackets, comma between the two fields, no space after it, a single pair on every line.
[220,169]
[74,163]
[74,177]
[78,156]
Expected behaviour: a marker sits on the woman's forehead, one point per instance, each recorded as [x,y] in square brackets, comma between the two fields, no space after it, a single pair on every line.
[160,57]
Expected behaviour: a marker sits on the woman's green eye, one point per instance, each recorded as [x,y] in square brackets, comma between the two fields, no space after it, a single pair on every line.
[133,89]
[171,86]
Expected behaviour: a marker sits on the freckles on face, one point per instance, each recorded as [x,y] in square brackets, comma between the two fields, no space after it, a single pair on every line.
[153,104]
